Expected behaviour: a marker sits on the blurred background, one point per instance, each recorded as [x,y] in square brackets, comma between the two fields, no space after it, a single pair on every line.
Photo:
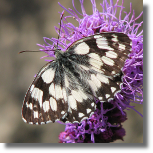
[23,23]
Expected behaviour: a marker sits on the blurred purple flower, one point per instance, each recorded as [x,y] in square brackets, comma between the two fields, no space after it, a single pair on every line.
[105,124]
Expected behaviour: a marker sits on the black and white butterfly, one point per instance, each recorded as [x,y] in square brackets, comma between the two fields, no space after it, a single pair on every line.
[65,89]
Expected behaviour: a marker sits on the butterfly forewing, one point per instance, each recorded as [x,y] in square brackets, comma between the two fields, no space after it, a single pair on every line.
[66,88]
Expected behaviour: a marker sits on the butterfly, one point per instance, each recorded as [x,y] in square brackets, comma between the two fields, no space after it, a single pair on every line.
[65,89]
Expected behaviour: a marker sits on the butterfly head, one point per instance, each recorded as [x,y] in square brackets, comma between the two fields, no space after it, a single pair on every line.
[58,52]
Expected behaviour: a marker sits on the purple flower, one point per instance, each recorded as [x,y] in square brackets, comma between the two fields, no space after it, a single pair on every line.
[105,124]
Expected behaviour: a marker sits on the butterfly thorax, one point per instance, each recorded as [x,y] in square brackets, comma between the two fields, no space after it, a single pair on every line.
[58,53]
[63,59]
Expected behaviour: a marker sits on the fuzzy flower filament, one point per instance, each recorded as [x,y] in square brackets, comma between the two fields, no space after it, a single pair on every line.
[104,125]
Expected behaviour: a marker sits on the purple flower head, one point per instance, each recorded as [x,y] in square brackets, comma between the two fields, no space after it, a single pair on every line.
[105,124]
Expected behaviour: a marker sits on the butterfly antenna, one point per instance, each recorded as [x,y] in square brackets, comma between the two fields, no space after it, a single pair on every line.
[60,27]
[57,38]
[23,51]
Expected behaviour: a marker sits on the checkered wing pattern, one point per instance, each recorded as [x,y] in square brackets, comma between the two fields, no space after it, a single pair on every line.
[66,88]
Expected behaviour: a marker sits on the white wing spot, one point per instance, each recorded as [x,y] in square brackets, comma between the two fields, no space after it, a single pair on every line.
[113,89]
[88,110]
[46,106]
[76,95]
[121,46]
[42,123]
[80,115]
[103,78]
[100,98]
[48,122]
[95,80]
[107,95]
[103,44]
[58,92]
[95,63]
[62,112]
[107,60]
[92,104]
[48,75]
[53,104]
[115,38]
[52,90]
[93,87]
[111,54]
[95,56]
[82,48]
[72,102]
[37,94]
[35,114]
[79,95]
